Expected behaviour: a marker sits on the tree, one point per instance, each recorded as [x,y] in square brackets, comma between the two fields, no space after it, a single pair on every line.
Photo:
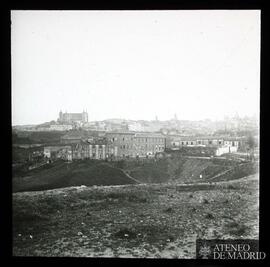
[251,142]
[251,145]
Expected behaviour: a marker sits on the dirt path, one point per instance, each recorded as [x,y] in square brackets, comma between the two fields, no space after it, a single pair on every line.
[124,172]
[220,174]
[246,178]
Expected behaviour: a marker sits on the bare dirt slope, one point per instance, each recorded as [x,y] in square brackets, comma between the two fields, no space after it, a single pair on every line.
[157,220]
[94,172]
[62,174]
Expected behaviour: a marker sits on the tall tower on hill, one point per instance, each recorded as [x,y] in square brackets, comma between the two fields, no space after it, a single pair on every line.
[60,116]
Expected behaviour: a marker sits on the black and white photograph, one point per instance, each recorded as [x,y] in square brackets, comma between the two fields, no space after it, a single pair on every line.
[135,133]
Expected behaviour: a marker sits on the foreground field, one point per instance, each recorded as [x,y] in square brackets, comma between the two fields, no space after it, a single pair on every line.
[146,220]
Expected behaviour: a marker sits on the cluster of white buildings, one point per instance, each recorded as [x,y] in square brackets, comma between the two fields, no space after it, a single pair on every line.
[223,145]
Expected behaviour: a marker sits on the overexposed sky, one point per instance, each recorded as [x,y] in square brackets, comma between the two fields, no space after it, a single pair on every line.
[135,64]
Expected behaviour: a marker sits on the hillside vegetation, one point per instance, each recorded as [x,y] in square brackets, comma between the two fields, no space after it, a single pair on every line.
[93,172]
[61,174]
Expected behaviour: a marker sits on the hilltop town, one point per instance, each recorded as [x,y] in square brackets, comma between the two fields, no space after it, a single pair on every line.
[73,137]
[66,121]
[123,192]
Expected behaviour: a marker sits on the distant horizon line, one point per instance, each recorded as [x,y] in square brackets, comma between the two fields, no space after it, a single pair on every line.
[171,119]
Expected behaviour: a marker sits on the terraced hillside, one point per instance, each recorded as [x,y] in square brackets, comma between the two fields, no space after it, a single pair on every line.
[186,169]
[91,172]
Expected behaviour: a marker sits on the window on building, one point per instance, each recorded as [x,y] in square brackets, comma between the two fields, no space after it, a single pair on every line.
[191,143]
[220,142]
[183,143]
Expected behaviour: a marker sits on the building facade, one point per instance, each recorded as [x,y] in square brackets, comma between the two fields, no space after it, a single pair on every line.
[132,144]
[222,145]
[204,141]
[60,127]
[70,118]
[95,148]
[74,137]
[113,145]
[58,152]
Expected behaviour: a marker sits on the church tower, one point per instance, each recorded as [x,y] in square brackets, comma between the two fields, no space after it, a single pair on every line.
[85,116]
[60,116]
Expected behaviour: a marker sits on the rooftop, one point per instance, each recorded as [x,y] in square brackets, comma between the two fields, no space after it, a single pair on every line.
[149,135]
[193,138]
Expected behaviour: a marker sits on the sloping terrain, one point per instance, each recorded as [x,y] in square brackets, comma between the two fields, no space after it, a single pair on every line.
[150,220]
[93,172]
[37,137]
[61,174]
[186,169]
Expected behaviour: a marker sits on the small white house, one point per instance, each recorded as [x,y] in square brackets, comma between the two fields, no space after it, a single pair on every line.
[225,149]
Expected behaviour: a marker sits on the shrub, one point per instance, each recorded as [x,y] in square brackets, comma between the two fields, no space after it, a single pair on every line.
[170,209]
[209,216]
[233,224]
[230,186]
[237,229]
[205,201]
